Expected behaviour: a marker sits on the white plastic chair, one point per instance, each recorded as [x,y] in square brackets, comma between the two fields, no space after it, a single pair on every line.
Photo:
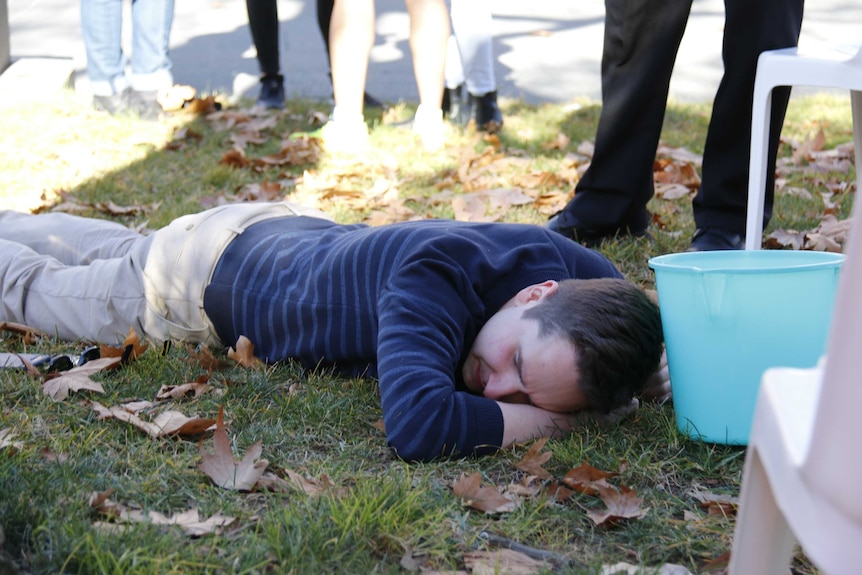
[803,470]
[823,67]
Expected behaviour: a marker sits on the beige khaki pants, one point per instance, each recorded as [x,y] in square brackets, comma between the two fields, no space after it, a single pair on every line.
[82,278]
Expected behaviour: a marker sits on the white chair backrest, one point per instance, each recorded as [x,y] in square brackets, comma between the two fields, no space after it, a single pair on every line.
[833,464]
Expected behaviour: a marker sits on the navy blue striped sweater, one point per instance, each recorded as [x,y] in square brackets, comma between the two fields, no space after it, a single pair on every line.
[402,303]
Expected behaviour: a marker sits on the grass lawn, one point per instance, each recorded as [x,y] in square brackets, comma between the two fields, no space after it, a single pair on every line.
[336,500]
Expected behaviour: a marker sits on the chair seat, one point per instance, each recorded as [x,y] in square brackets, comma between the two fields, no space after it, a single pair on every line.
[819,66]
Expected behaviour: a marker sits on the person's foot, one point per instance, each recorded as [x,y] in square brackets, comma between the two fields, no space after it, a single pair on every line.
[428,126]
[145,105]
[271,94]
[454,109]
[342,137]
[715,238]
[485,111]
[564,224]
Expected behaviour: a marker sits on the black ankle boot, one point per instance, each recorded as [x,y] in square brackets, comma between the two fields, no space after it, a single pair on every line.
[453,105]
[485,111]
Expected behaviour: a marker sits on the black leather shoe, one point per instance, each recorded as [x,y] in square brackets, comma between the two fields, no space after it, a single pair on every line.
[590,238]
[712,239]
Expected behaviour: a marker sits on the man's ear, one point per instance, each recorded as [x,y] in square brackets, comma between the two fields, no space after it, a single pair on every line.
[535,292]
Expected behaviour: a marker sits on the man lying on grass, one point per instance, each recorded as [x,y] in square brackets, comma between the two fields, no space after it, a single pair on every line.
[480,335]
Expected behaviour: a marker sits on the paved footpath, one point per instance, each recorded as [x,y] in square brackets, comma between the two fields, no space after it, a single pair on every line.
[546,50]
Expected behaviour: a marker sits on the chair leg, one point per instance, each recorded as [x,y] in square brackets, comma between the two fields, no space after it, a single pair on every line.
[762,541]
[856,105]
[760,119]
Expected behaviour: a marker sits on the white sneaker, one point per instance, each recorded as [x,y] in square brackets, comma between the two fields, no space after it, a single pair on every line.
[341,137]
[428,125]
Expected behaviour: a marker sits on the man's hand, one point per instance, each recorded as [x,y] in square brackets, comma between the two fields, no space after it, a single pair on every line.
[657,387]
[618,414]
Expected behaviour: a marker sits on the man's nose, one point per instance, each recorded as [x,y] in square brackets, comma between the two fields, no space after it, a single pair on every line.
[500,386]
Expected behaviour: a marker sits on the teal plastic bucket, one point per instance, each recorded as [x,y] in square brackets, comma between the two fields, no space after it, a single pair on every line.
[727,316]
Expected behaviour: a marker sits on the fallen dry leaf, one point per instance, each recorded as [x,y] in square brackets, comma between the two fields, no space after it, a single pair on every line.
[29,335]
[487,499]
[582,478]
[51,457]
[164,424]
[502,561]
[534,459]
[189,521]
[132,348]
[223,469]
[204,359]
[6,442]
[78,378]
[628,569]
[311,486]
[196,388]
[622,503]
[244,353]
[716,504]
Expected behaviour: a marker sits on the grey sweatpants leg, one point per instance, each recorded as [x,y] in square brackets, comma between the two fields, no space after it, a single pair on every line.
[72,277]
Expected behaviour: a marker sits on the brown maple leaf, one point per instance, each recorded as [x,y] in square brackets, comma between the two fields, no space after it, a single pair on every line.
[164,424]
[503,561]
[311,486]
[484,498]
[223,469]
[204,359]
[582,478]
[244,353]
[131,348]
[78,378]
[622,503]
[28,334]
[534,459]
[197,388]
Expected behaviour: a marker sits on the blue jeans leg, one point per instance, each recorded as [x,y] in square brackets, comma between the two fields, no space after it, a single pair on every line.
[101,27]
[151,30]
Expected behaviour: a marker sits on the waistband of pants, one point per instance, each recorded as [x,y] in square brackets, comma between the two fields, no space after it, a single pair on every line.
[182,259]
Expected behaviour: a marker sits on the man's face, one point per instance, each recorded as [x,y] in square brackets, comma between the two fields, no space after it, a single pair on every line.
[511,363]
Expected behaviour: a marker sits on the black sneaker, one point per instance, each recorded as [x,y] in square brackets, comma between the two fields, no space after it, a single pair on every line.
[485,111]
[271,92]
[714,238]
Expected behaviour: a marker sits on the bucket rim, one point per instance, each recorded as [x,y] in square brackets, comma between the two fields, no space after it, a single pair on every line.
[672,263]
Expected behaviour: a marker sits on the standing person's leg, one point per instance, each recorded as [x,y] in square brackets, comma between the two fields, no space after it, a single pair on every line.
[471,25]
[263,23]
[101,28]
[429,34]
[453,89]
[640,47]
[324,18]
[720,204]
[351,37]
[151,66]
